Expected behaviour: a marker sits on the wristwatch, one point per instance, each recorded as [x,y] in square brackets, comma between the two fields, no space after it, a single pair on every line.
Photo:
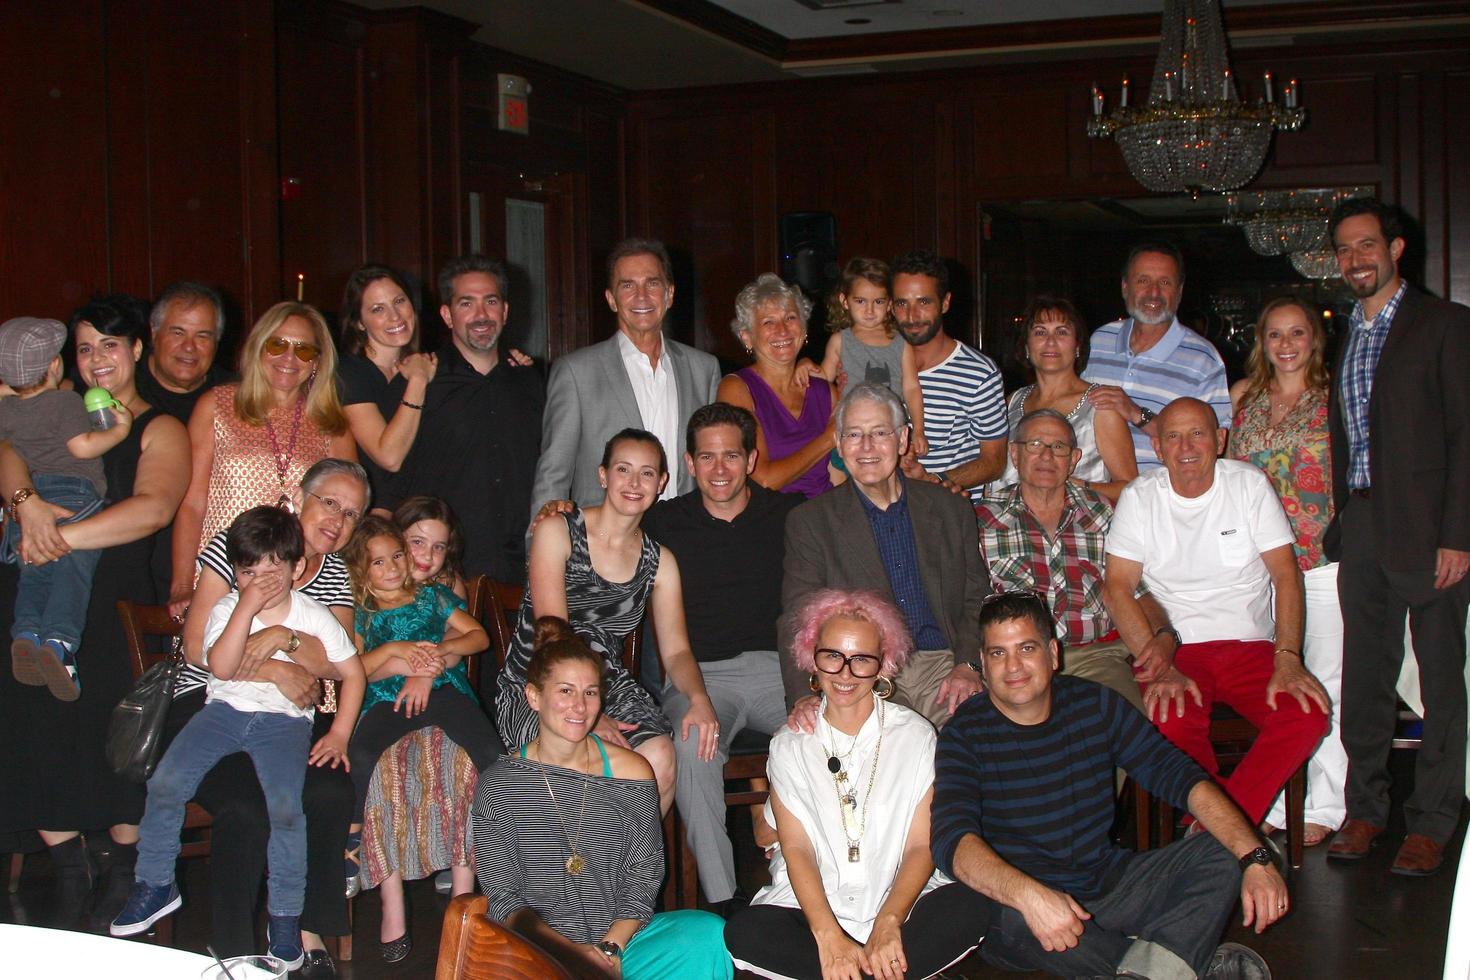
[294,643]
[1178,640]
[610,949]
[19,497]
[1260,855]
[1145,416]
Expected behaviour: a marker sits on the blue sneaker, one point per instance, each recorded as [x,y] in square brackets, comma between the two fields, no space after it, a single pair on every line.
[146,905]
[58,664]
[23,663]
[283,938]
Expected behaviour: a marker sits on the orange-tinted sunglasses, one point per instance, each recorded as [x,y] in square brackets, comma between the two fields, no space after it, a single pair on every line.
[306,351]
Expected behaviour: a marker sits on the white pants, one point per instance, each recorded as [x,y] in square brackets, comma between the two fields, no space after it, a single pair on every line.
[1327,769]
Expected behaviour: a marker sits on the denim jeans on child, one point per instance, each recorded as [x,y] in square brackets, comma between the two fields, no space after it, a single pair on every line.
[278,744]
[51,600]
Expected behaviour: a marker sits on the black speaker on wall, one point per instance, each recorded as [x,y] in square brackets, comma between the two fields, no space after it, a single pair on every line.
[809,251]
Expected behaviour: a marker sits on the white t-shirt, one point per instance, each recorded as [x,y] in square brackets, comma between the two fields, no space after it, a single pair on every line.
[306,615]
[856,890]
[1202,557]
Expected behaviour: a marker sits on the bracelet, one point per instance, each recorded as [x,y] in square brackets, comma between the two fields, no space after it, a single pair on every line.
[1294,653]
[416,406]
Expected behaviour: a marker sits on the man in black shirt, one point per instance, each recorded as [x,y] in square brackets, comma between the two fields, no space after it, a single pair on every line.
[186,324]
[729,537]
[480,437]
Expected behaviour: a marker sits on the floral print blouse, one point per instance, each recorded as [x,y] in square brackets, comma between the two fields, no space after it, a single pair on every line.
[1297,458]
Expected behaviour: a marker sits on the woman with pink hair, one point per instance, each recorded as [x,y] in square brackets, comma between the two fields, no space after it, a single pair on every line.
[853,889]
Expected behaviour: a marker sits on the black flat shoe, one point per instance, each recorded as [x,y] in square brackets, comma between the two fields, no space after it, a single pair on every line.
[319,966]
[396,951]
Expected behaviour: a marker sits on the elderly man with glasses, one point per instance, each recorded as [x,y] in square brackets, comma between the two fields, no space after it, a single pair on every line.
[911,541]
[1046,534]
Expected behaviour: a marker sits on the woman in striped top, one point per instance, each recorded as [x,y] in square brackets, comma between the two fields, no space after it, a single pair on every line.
[567,843]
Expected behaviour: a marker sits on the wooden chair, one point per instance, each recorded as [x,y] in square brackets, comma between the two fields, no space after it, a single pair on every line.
[1231,736]
[473,946]
[139,623]
[747,766]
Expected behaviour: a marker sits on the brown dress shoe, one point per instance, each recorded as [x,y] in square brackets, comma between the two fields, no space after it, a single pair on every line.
[1353,840]
[1418,856]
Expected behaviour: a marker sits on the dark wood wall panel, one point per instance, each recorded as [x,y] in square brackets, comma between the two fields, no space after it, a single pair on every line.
[53,158]
[132,135]
[944,143]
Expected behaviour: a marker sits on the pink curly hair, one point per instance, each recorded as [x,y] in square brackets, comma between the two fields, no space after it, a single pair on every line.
[805,623]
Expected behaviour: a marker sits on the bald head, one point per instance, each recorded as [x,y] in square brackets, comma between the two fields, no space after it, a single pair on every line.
[1187,408]
[1188,442]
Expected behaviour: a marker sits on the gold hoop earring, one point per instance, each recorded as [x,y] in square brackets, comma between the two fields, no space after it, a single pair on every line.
[813,686]
[883,687]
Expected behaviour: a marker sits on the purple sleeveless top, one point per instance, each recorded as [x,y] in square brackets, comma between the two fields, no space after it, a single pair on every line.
[785,435]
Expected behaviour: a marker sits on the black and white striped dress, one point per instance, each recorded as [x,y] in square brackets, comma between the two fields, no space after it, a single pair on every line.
[602,613]
[521,847]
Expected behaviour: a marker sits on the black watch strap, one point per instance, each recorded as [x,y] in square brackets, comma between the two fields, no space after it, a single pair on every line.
[1260,855]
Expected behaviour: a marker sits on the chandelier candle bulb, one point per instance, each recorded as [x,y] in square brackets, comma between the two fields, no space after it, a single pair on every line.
[1123,102]
[1097,101]
[300,286]
[1291,94]
[1228,90]
[1270,91]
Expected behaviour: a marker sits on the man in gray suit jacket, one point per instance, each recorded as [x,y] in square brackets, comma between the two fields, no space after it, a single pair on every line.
[910,540]
[638,378]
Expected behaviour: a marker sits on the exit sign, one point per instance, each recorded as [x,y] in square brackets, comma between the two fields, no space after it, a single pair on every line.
[515,109]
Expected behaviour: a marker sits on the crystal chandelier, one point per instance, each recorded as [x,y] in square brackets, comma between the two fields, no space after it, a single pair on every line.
[1194,133]
[1281,222]
[1316,264]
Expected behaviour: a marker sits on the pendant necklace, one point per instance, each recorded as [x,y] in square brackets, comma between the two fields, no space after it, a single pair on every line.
[575,862]
[853,823]
[283,460]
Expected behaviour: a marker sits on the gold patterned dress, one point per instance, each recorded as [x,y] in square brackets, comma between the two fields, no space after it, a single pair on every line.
[256,464]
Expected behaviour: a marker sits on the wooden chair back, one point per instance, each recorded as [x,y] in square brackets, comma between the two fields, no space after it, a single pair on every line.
[140,622]
[472,946]
[476,590]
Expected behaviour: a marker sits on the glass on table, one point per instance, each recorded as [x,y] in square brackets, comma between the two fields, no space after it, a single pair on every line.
[247,968]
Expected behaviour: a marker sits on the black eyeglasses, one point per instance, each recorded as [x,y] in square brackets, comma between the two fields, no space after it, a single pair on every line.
[830,661]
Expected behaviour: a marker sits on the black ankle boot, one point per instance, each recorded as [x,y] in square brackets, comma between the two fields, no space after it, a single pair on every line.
[117,882]
[75,874]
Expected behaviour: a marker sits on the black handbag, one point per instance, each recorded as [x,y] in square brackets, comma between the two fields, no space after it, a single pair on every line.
[135,731]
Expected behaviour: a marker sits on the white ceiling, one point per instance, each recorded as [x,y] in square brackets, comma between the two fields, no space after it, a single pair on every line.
[793,19]
[636,46]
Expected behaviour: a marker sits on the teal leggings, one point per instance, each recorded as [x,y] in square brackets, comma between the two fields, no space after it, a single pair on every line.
[684,945]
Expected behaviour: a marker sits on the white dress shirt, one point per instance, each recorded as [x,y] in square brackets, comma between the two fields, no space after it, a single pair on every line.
[801,780]
[657,394]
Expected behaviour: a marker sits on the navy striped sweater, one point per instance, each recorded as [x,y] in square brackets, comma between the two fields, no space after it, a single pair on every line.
[1042,795]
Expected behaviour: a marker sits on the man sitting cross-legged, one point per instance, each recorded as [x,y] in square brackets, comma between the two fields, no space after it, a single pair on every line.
[1210,540]
[1023,801]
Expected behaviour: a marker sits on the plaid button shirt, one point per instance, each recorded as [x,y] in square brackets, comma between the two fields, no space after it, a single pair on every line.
[1066,568]
[1355,386]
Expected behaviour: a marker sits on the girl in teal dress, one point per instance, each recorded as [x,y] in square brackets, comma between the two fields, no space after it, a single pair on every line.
[414,639]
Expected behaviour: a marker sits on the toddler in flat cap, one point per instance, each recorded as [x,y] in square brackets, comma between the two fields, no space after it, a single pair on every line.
[49,428]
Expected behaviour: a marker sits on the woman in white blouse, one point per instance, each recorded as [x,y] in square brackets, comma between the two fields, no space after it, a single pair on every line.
[853,890]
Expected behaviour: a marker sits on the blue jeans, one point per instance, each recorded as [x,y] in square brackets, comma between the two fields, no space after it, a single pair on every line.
[52,599]
[278,745]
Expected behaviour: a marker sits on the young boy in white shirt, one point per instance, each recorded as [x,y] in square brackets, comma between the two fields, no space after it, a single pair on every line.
[265,548]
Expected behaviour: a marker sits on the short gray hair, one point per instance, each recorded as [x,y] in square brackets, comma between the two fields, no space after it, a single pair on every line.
[191,294]
[325,469]
[1044,413]
[874,394]
[768,288]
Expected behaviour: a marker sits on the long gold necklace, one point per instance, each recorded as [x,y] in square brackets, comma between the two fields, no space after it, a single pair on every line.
[853,825]
[575,862]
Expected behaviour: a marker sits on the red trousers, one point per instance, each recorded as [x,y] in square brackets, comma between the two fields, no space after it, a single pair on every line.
[1236,672]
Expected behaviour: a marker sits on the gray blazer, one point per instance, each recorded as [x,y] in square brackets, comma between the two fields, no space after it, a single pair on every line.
[830,545]
[589,400]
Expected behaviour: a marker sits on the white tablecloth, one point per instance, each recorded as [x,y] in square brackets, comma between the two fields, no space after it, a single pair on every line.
[32,952]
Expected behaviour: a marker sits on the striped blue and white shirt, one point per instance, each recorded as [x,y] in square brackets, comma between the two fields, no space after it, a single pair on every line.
[964,405]
[1181,365]
[1355,386]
